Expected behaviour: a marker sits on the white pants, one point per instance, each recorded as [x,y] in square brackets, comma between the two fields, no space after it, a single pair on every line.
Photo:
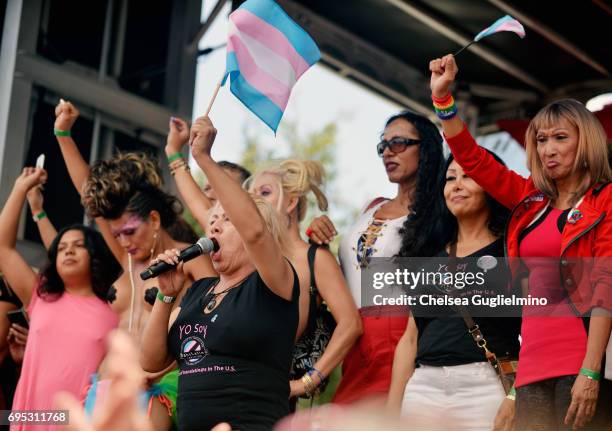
[462,397]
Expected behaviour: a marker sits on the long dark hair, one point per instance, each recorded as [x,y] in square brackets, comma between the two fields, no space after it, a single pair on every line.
[421,230]
[498,214]
[104,268]
[444,229]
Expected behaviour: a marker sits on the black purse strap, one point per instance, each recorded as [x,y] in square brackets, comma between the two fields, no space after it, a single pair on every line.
[312,252]
[314,292]
[472,326]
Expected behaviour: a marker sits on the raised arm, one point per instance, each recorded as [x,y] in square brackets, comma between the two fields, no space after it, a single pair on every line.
[505,185]
[78,169]
[45,227]
[16,270]
[261,246]
[190,192]
[403,366]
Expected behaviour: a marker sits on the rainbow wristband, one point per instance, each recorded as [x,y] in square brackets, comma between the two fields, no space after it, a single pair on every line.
[444,99]
[445,107]
[175,156]
[58,132]
[590,374]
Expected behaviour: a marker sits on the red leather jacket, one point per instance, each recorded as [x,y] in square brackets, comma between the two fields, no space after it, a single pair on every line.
[585,260]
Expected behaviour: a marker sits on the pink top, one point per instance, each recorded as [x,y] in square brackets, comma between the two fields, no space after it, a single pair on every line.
[553,345]
[66,343]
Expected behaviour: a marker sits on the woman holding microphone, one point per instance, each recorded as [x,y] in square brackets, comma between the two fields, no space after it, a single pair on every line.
[233,336]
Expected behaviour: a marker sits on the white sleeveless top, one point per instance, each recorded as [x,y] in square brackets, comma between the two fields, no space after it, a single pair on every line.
[365,239]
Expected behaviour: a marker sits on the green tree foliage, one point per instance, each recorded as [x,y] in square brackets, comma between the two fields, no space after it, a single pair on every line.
[319,145]
[292,142]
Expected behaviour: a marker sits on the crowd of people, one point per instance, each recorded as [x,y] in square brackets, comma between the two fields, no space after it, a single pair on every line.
[231,339]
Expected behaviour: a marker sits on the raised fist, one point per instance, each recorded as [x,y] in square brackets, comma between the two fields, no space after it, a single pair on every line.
[65,115]
[443,72]
[177,136]
[202,137]
[31,177]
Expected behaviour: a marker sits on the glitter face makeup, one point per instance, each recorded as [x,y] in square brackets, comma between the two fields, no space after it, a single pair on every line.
[129,227]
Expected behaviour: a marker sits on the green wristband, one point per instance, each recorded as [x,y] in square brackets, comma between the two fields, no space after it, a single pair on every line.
[175,156]
[590,374]
[37,217]
[59,132]
[165,299]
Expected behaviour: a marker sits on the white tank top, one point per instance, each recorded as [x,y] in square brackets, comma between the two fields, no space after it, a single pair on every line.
[365,239]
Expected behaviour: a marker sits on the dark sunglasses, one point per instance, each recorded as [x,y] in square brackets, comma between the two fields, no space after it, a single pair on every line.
[396,145]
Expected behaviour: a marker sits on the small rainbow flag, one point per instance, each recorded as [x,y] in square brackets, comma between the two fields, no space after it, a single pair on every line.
[267,52]
[505,23]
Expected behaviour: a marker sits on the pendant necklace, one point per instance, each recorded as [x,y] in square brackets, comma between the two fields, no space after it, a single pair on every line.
[212,303]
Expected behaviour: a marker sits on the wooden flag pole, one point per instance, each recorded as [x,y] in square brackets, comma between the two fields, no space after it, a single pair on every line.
[210,104]
[214,96]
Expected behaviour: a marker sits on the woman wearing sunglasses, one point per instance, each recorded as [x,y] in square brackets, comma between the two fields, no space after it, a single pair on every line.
[411,151]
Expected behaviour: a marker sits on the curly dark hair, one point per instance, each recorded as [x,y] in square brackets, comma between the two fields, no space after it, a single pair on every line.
[129,182]
[104,268]
[421,232]
[498,213]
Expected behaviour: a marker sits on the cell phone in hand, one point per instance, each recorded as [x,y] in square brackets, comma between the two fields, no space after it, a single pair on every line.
[19,317]
[40,161]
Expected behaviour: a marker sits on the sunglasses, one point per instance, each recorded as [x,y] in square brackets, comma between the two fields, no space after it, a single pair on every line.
[395,145]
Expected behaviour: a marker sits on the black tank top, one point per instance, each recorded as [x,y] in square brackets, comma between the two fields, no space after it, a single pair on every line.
[234,362]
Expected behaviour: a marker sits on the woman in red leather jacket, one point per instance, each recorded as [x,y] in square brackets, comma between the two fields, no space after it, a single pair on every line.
[561,229]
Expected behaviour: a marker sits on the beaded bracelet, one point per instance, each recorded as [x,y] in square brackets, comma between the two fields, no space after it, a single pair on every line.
[313,370]
[309,384]
[445,107]
[179,164]
[590,374]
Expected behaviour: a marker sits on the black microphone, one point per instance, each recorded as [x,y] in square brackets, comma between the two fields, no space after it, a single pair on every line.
[204,245]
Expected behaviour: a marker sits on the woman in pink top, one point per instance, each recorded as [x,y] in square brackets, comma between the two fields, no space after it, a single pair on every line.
[560,232]
[69,315]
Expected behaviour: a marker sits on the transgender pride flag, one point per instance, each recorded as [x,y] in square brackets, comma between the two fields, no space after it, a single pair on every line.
[505,23]
[267,52]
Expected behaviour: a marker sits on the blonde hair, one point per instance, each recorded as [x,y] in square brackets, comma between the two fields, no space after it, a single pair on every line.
[272,220]
[273,223]
[297,178]
[592,153]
